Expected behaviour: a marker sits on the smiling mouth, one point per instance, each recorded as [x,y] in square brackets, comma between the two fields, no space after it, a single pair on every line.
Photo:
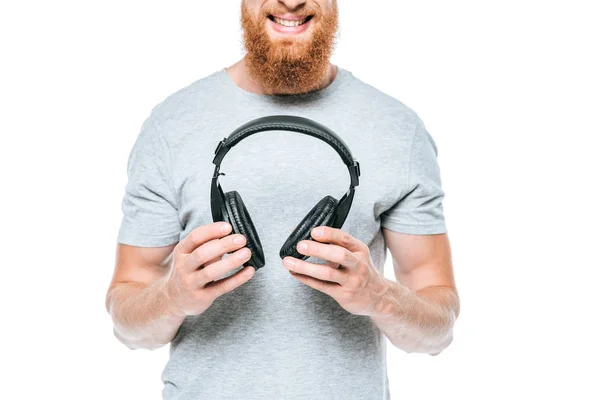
[290,23]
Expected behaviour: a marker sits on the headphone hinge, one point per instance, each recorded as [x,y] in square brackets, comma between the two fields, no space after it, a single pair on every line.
[354,170]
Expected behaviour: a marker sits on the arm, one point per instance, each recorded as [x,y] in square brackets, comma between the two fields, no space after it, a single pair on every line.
[417,312]
[136,298]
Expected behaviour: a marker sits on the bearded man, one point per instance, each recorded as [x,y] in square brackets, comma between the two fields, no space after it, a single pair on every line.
[296,328]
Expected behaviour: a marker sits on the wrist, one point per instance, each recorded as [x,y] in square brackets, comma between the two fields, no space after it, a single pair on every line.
[169,296]
[381,298]
[387,299]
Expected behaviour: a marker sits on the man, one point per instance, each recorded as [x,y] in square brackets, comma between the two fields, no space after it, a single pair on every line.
[312,329]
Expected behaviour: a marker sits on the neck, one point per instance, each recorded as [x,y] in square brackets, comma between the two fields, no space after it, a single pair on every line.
[239,75]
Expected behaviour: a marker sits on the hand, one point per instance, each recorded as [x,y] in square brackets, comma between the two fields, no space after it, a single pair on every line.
[197,262]
[349,277]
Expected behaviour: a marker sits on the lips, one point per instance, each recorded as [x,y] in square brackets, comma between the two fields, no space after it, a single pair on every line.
[290,21]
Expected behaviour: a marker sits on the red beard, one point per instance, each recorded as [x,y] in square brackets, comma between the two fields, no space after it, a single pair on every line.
[289,66]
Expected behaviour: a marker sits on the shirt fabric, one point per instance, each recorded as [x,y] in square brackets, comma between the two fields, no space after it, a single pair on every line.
[275,337]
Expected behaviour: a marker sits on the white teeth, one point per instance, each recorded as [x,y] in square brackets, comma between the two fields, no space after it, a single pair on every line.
[286,22]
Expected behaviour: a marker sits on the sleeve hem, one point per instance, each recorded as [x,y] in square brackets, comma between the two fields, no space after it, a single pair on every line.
[147,241]
[416,229]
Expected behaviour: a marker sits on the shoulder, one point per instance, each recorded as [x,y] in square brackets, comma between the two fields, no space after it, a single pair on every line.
[183,105]
[381,105]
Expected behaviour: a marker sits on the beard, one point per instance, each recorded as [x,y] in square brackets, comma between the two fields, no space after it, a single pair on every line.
[289,66]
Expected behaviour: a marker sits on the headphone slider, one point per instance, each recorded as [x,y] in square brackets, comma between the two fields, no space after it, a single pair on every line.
[220,152]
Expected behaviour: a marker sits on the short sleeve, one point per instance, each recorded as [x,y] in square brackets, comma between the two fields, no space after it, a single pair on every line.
[149,207]
[419,210]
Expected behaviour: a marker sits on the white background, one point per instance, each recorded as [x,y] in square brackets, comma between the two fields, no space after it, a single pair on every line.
[508,89]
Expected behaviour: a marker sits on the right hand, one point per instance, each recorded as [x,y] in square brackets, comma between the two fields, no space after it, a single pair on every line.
[197,262]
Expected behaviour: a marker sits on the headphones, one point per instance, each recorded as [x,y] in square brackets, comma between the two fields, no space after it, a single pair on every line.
[329,211]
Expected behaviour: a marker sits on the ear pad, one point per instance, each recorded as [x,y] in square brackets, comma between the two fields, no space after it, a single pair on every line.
[323,213]
[242,223]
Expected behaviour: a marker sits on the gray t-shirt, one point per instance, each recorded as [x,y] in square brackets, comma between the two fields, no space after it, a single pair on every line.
[274,337]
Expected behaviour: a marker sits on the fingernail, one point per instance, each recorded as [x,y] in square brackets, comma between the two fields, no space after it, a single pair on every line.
[302,246]
[317,231]
[225,227]
[288,262]
[245,252]
[238,240]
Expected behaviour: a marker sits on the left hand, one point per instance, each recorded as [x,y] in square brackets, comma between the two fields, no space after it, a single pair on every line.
[349,277]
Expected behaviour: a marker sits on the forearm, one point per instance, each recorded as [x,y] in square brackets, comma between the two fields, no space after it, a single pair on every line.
[420,321]
[142,315]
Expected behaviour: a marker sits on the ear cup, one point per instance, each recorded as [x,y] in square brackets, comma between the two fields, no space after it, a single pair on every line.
[242,223]
[323,213]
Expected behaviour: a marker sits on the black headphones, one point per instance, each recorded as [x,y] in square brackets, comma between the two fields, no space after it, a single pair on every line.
[328,211]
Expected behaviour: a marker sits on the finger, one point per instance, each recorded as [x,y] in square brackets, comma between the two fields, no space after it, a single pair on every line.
[222,267]
[212,249]
[203,234]
[222,286]
[214,260]
[328,252]
[337,236]
[328,288]
[318,271]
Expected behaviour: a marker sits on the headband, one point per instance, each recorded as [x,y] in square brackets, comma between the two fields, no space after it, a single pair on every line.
[294,124]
